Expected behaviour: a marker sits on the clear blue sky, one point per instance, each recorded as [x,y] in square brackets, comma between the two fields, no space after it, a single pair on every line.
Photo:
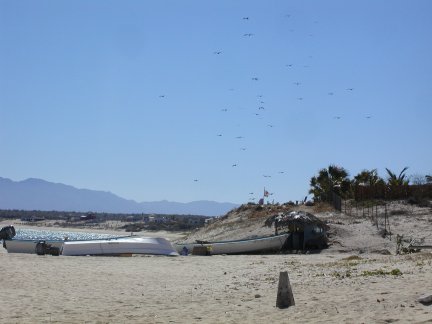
[131,96]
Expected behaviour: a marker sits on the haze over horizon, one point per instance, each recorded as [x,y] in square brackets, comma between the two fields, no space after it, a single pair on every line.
[188,101]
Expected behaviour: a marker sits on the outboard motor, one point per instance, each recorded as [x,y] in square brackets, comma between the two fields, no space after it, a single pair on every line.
[7,232]
[40,247]
[43,248]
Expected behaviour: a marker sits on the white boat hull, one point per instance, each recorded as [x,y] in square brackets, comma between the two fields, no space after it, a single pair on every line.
[258,245]
[120,246]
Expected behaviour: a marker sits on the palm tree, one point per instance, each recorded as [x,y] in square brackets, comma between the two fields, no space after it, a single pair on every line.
[368,185]
[333,179]
[368,178]
[399,180]
[397,185]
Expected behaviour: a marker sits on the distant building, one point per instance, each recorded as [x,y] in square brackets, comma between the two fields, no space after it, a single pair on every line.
[88,217]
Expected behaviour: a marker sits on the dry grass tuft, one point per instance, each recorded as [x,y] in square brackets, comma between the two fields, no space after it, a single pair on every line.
[352,258]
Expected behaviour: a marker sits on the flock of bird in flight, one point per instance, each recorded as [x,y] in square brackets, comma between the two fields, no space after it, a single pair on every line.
[261,107]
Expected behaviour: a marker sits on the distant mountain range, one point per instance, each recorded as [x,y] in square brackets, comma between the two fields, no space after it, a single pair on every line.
[37,194]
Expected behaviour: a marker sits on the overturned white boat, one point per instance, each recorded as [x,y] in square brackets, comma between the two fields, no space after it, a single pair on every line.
[256,245]
[124,245]
[119,246]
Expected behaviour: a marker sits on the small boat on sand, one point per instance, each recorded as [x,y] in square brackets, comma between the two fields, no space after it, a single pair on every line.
[256,245]
[124,245]
[120,246]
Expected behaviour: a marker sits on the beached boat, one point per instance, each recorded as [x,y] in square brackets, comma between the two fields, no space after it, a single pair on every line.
[126,245]
[119,246]
[255,245]
[34,246]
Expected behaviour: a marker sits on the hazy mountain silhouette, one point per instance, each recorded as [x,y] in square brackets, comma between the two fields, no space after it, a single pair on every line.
[37,194]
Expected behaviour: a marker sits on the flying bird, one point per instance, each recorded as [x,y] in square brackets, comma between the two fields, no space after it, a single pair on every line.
[337,117]
[196,180]
[255,78]
[350,89]
[331,93]
[217,52]
[245,18]
[248,35]
[224,109]
[234,165]
[297,83]
[162,96]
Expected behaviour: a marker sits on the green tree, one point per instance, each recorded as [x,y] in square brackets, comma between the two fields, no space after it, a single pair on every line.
[329,180]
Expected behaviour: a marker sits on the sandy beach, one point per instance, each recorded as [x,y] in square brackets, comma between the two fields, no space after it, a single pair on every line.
[338,285]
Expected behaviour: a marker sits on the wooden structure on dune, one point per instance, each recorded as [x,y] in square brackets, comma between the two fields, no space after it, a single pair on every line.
[306,230]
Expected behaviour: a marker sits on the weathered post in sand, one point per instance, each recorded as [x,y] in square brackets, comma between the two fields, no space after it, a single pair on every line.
[285,297]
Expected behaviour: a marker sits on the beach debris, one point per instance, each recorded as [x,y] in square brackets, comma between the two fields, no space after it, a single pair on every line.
[407,246]
[184,251]
[425,300]
[202,250]
[285,297]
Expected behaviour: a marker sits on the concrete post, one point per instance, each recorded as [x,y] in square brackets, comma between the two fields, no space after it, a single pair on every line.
[285,297]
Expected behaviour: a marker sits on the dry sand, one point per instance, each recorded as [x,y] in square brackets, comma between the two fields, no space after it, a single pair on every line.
[351,282]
